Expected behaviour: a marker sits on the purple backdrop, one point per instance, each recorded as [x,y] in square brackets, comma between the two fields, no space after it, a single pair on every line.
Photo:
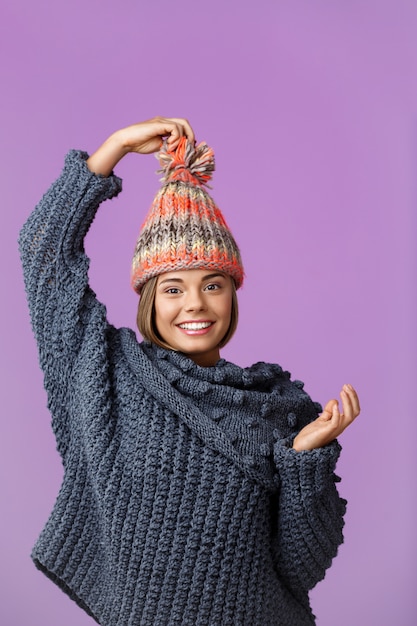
[311,109]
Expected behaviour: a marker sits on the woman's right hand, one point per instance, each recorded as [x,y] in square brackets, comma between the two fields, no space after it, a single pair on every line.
[142,138]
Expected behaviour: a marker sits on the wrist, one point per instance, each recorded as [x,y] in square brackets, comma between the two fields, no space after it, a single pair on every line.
[119,142]
[295,445]
[108,154]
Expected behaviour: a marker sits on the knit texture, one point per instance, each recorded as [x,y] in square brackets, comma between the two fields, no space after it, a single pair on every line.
[182,503]
[184,228]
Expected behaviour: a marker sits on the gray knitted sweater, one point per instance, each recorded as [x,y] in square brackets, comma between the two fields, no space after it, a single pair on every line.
[182,501]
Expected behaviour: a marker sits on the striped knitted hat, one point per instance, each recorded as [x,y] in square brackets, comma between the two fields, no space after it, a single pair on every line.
[184,228]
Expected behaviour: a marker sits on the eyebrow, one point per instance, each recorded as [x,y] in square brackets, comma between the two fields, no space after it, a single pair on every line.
[180,280]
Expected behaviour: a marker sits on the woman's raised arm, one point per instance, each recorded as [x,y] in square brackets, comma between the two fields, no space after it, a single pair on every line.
[142,138]
[65,312]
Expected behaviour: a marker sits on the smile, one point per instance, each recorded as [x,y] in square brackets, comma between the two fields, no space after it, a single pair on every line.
[195,325]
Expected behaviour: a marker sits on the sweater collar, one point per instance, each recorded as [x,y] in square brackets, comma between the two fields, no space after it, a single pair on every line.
[176,365]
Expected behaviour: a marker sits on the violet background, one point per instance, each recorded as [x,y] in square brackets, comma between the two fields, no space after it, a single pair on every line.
[311,109]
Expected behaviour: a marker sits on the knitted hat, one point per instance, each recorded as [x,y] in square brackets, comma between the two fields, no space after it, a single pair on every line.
[184,228]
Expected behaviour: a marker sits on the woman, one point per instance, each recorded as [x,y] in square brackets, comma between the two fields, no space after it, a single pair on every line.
[195,492]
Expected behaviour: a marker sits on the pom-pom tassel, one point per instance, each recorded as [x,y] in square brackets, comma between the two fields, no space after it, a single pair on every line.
[186,162]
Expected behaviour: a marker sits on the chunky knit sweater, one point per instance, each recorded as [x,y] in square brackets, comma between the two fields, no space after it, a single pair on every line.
[182,502]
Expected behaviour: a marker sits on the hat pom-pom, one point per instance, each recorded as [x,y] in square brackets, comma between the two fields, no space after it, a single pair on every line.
[187,163]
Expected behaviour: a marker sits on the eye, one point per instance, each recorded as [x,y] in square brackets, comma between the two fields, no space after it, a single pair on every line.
[172,290]
[212,287]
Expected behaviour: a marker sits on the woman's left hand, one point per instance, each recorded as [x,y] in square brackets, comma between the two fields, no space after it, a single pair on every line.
[331,423]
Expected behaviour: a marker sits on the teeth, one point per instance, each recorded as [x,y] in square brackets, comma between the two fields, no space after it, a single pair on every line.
[195,325]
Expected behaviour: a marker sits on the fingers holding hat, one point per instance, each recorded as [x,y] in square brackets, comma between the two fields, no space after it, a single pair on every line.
[142,138]
[170,128]
[181,128]
[148,136]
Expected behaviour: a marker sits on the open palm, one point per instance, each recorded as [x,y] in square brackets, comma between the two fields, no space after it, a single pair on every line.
[331,423]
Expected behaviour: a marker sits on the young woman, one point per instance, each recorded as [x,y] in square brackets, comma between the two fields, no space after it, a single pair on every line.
[195,492]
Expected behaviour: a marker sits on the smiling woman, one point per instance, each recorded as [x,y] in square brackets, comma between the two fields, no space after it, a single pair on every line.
[195,492]
[193,311]
[146,317]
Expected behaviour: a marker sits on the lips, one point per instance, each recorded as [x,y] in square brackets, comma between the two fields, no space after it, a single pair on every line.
[196,328]
[195,325]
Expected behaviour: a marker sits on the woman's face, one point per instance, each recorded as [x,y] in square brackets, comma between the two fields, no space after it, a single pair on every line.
[193,312]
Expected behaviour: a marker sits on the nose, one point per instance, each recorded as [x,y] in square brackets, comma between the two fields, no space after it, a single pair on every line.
[195,301]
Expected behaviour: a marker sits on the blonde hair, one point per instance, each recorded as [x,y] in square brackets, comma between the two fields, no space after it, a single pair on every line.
[145,318]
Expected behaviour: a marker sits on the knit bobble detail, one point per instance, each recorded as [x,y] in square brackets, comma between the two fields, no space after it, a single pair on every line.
[204,389]
[299,384]
[247,379]
[187,365]
[291,419]
[162,354]
[239,397]
[173,376]
[218,375]
[187,163]
[265,409]
[265,449]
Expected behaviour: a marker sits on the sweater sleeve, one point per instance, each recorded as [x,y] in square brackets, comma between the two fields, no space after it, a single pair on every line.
[55,269]
[310,514]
